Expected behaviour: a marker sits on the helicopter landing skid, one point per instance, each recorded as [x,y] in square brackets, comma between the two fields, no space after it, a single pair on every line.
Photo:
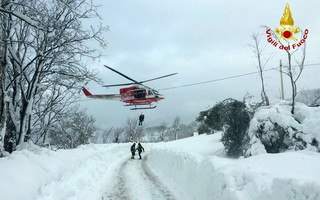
[135,108]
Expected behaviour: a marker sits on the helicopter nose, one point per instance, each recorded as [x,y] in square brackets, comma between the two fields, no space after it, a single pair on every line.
[159,97]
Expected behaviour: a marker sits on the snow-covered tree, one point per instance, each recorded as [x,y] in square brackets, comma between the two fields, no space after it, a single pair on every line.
[75,130]
[106,134]
[174,131]
[48,110]
[187,130]
[116,135]
[43,45]
[211,120]
[133,132]
[163,130]
[232,117]
[309,97]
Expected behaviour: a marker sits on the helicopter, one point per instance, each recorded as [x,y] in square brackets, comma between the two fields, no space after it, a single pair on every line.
[135,95]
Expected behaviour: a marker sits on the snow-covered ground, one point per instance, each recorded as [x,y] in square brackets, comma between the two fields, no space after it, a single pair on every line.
[192,168]
[197,166]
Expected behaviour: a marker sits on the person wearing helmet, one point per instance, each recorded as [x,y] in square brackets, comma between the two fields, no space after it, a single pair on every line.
[133,150]
[140,149]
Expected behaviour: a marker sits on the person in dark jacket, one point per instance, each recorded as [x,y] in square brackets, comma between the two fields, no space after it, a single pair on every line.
[141,118]
[140,149]
[133,150]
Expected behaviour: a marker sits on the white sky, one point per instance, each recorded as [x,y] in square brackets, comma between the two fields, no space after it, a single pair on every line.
[201,40]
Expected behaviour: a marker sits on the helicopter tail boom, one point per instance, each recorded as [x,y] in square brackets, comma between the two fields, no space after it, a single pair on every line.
[101,96]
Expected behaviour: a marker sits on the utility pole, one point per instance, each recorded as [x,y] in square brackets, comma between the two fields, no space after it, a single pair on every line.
[281,76]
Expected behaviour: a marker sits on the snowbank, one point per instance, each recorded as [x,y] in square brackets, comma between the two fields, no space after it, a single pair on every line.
[192,165]
[39,173]
[193,168]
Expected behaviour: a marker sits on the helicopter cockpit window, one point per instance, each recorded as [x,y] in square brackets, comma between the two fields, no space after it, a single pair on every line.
[150,92]
[155,92]
[138,94]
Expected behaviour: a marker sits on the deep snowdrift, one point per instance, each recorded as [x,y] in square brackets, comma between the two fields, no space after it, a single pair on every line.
[39,173]
[195,167]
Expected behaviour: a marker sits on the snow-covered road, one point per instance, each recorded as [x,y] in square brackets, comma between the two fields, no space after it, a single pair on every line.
[95,172]
[119,189]
[133,180]
[188,169]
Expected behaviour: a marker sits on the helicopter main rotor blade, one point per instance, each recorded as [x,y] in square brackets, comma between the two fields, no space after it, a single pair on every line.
[158,78]
[114,85]
[134,81]
[122,74]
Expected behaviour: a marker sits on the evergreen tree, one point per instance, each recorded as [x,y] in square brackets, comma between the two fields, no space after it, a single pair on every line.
[230,116]
[237,119]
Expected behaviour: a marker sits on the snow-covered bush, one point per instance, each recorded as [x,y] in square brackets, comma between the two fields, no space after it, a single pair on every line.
[274,129]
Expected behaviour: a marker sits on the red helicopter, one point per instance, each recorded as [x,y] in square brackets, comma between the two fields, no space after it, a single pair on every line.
[135,95]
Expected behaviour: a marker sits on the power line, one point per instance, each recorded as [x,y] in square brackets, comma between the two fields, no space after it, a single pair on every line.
[230,77]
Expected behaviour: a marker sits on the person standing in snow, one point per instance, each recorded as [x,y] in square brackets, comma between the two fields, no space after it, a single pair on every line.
[141,118]
[133,150]
[140,149]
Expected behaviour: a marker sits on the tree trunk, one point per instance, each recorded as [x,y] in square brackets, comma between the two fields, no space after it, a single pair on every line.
[258,53]
[293,85]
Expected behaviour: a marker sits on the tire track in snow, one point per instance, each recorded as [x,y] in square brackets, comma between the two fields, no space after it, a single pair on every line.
[135,181]
[155,181]
[119,190]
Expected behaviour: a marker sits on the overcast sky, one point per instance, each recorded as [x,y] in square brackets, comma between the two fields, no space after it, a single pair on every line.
[201,40]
